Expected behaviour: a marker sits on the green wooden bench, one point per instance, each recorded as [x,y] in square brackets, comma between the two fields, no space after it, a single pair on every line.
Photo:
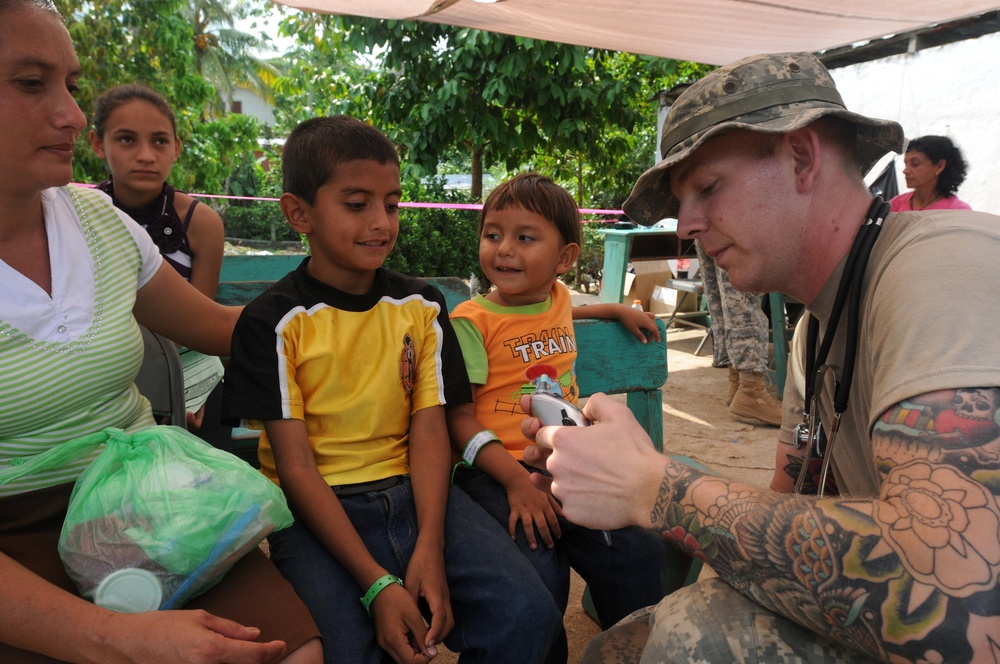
[609,360]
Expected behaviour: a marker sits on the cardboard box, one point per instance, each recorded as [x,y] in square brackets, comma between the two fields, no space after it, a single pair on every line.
[648,274]
[664,300]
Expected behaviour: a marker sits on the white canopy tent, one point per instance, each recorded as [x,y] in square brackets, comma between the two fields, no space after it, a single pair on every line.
[707,31]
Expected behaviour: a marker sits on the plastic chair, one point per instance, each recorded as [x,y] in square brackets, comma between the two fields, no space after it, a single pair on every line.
[161,377]
[785,312]
[688,287]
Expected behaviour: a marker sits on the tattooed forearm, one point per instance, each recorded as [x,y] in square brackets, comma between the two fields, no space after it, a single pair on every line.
[780,550]
[676,477]
[658,515]
[907,577]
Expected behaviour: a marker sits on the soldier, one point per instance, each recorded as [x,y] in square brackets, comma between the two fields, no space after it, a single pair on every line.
[740,342]
[763,164]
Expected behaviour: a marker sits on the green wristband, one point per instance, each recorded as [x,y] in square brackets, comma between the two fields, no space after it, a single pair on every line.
[380,584]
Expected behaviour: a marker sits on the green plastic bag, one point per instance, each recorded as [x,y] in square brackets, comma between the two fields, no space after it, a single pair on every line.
[160,516]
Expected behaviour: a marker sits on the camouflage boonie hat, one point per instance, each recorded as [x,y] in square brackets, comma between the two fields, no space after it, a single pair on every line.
[769,93]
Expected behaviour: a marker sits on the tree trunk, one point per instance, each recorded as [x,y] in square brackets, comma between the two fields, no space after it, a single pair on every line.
[577,280]
[579,181]
[476,194]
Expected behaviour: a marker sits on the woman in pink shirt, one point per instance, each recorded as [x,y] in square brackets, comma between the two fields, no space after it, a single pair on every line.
[934,169]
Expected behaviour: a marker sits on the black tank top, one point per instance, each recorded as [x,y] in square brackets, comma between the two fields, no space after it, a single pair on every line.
[160,220]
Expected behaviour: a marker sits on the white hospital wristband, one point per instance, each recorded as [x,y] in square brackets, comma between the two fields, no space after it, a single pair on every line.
[476,443]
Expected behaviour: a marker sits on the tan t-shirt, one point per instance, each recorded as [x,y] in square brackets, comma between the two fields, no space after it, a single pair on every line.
[930,321]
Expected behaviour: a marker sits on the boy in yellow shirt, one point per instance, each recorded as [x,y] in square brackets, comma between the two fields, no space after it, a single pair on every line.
[349,365]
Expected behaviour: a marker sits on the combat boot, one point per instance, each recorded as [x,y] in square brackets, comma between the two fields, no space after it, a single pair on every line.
[734,384]
[754,402]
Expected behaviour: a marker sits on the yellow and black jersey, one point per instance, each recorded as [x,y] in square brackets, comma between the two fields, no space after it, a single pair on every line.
[354,368]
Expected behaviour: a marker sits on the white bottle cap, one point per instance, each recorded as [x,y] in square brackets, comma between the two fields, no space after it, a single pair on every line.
[129,590]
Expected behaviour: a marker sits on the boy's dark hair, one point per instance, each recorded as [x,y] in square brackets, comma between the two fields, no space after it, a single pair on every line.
[44,5]
[317,146]
[122,94]
[539,194]
[937,148]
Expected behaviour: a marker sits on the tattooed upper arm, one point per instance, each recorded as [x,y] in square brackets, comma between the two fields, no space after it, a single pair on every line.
[957,427]
[939,457]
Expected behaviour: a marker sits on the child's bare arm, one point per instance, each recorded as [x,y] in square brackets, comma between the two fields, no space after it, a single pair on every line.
[314,501]
[207,237]
[528,506]
[394,610]
[634,320]
[429,464]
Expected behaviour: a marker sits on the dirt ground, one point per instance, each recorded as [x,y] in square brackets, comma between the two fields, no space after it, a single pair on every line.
[697,424]
[696,420]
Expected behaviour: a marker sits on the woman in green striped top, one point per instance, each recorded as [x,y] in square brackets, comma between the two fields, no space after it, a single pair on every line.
[76,278]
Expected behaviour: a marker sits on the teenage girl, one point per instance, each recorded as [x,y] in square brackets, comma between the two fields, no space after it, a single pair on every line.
[135,132]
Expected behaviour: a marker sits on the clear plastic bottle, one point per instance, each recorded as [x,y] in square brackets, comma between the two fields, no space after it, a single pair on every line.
[637,304]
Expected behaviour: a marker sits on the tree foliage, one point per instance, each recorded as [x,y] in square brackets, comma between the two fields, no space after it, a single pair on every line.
[152,43]
[579,112]
[321,75]
[226,57]
[454,100]
[435,242]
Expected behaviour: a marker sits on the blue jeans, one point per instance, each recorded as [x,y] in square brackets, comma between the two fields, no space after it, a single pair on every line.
[623,577]
[502,611]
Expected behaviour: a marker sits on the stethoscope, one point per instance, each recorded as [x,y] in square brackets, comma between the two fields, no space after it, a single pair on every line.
[809,433]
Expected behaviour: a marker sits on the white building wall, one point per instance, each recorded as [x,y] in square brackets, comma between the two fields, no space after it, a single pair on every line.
[254,106]
[948,90]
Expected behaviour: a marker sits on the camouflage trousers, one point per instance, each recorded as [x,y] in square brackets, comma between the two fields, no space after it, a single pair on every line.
[710,623]
[739,326]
